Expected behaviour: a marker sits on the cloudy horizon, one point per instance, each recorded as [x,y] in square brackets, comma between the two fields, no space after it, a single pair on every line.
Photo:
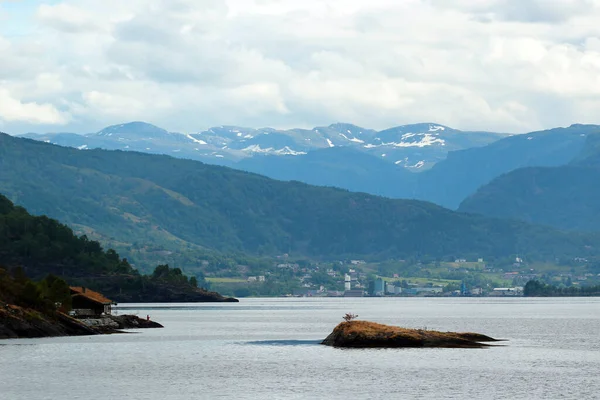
[495,65]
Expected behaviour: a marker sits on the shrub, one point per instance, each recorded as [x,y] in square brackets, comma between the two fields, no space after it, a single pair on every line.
[349,317]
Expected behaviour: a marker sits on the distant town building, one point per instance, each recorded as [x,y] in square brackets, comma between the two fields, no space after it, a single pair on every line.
[347,282]
[379,288]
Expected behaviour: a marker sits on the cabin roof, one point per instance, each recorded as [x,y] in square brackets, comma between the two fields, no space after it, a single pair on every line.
[90,294]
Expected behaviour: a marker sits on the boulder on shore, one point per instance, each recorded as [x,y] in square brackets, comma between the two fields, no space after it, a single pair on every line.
[364,334]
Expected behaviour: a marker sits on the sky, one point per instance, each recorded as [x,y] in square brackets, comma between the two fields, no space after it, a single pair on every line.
[186,65]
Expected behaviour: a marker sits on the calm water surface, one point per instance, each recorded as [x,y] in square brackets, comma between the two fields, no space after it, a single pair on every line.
[268,349]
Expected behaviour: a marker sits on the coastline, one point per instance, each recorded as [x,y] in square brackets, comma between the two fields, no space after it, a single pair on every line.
[18,323]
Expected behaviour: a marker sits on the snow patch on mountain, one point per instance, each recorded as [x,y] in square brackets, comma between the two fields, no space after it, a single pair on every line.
[330,143]
[286,151]
[255,148]
[435,128]
[427,139]
[195,140]
[355,140]
[424,140]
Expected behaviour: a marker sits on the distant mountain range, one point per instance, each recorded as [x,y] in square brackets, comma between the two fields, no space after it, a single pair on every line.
[148,203]
[565,197]
[449,182]
[415,147]
[451,164]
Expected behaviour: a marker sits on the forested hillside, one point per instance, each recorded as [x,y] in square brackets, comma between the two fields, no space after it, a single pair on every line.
[44,246]
[423,161]
[450,181]
[566,197]
[142,200]
[342,167]
[38,247]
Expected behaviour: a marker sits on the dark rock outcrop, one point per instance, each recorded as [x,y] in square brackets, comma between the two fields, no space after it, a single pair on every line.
[109,324]
[134,322]
[18,322]
[364,334]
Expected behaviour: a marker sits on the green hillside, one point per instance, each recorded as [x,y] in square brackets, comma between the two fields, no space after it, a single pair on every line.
[145,202]
[566,197]
[38,247]
[44,246]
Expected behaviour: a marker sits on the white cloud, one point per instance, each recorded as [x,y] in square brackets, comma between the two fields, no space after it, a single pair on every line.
[491,64]
[67,18]
[12,109]
[523,10]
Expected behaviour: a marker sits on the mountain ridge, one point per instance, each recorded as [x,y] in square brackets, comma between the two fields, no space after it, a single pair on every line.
[564,197]
[174,204]
[227,144]
[448,176]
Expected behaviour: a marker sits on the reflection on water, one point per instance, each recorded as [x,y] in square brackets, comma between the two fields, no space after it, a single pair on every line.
[269,348]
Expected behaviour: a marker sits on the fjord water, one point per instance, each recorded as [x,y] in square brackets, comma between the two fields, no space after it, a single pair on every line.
[268,348]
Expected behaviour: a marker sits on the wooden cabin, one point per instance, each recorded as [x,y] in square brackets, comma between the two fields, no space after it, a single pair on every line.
[87,303]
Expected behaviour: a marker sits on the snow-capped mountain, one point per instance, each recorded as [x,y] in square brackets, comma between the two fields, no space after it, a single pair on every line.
[452,164]
[415,147]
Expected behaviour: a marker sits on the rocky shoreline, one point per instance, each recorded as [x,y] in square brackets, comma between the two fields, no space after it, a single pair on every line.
[115,323]
[18,322]
[364,334]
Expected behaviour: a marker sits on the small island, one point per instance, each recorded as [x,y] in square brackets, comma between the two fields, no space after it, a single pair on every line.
[364,334]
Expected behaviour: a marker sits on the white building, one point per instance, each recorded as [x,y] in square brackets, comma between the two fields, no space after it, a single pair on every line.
[347,282]
[513,291]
